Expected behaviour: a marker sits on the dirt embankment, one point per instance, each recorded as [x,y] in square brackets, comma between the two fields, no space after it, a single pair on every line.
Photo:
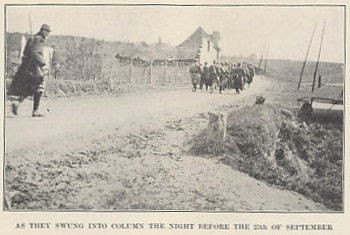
[151,169]
[274,145]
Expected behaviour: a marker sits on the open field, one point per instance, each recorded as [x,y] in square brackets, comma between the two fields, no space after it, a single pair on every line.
[289,72]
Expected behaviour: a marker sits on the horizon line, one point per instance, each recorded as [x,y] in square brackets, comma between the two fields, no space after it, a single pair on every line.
[155,42]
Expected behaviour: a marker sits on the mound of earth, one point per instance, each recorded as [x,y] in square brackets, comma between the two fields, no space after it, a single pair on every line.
[274,145]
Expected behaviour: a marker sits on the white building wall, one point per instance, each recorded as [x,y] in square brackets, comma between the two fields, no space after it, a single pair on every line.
[205,55]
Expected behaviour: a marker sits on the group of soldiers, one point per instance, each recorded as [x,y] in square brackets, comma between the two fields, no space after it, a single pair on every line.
[29,79]
[224,75]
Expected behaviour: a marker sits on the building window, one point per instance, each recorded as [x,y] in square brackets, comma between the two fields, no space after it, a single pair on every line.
[208,45]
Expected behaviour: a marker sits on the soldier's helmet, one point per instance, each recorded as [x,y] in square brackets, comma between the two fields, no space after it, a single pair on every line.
[45,27]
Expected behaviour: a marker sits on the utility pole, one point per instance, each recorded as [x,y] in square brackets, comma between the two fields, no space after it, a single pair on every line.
[130,70]
[262,55]
[166,72]
[151,71]
[267,52]
[319,55]
[307,54]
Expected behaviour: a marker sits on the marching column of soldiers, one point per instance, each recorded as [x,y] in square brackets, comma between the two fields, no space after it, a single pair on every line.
[224,75]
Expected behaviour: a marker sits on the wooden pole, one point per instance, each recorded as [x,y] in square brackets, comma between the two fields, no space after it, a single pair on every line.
[307,55]
[176,72]
[85,56]
[130,70]
[319,81]
[261,59]
[92,72]
[262,56]
[111,85]
[166,72]
[267,52]
[151,71]
[319,55]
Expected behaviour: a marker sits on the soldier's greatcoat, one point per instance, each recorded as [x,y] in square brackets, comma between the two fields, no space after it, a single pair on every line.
[29,77]
[213,77]
[251,74]
[205,75]
[238,80]
[196,72]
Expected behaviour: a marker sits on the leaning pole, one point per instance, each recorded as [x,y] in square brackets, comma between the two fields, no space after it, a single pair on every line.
[307,55]
[318,59]
[267,52]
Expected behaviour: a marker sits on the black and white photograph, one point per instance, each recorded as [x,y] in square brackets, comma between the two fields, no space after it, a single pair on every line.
[174,108]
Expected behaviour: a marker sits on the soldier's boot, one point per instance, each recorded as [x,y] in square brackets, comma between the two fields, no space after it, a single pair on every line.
[37,97]
[15,105]
[201,86]
[15,108]
[194,89]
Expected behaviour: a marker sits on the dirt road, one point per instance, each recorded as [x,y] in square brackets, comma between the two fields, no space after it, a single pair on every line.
[86,117]
[131,152]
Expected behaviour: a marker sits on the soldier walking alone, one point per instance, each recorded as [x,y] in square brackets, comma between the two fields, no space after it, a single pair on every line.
[29,79]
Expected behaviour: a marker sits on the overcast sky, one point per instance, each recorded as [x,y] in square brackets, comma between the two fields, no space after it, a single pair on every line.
[244,30]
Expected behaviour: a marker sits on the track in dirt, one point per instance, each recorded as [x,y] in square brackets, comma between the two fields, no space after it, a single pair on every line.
[130,152]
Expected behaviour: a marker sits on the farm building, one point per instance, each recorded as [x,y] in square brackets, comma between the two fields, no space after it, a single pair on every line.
[201,46]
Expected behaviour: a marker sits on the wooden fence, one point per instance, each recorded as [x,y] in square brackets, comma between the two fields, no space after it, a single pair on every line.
[113,75]
[155,73]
